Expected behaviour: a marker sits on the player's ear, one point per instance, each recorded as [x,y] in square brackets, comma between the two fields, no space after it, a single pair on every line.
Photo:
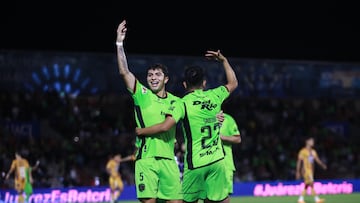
[204,83]
[184,84]
[166,79]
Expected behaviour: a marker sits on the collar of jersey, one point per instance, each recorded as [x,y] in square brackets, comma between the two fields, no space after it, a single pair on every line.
[166,95]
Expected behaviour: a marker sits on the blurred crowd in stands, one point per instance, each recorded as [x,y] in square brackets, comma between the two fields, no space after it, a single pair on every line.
[76,136]
[277,104]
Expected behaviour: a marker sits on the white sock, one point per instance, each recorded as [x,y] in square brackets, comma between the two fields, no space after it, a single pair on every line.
[317,198]
[301,198]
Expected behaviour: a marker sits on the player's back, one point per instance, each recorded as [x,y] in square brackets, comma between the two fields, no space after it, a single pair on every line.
[201,128]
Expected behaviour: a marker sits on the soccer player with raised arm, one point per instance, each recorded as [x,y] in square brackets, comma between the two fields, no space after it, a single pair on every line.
[157,175]
[230,135]
[204,168]
[305,168]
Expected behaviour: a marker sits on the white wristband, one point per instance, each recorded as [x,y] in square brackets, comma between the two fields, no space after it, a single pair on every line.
[119,44]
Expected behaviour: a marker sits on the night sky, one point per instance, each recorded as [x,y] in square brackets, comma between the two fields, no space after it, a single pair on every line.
[327,31]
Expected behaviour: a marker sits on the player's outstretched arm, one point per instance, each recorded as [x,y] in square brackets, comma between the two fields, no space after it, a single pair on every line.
[128,158]
[11,170]
[234,139]
[124,71]
[157,128]
[232,81]
[318,161]
[35,167]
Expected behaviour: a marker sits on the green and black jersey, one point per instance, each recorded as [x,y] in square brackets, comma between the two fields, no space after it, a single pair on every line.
[201,127]
[150,110]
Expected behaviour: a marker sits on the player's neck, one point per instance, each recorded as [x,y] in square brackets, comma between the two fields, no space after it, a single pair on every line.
[161,93]
[194,88]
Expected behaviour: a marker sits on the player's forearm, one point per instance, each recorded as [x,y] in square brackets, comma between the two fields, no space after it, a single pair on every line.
[231,139]
[128,158]
[320,163]
[124,71]
[122,61]
[9,172]
[157,128]
[232,81]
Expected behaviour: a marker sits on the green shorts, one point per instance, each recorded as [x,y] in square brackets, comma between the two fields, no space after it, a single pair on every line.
[208,182]
[157,178]
[230,180]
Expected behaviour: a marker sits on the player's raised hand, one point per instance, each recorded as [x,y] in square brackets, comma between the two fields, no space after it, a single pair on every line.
[216,55]
[121,32]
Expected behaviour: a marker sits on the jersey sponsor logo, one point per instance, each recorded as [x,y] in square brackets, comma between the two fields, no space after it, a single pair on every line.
[205,105]
[144,90]
[209,152]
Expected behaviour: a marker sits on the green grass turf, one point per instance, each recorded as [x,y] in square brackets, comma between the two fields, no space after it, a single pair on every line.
[351,198]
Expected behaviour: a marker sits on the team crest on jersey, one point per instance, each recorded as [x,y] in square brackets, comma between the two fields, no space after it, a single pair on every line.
[141,187]
[144,90]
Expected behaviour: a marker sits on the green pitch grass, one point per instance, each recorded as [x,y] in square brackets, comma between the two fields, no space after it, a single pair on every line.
[351,198]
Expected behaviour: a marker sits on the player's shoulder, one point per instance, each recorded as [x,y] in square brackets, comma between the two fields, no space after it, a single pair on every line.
[221,88]
[140,88]
[172,96]
[302,150]
[313,151]
[109,162]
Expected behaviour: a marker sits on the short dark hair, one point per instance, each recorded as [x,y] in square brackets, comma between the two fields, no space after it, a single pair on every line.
[194,76]
[19,152]
[160,66]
